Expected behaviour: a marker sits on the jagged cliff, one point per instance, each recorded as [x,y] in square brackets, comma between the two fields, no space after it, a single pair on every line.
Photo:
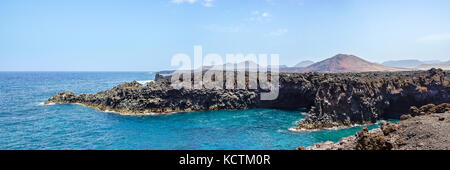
[334,99]
[367,97]
[425,128]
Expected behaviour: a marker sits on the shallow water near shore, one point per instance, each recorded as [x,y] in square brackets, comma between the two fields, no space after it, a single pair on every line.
[27,124]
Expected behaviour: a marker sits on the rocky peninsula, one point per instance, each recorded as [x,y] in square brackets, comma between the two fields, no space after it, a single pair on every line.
[424,128]
[333,99]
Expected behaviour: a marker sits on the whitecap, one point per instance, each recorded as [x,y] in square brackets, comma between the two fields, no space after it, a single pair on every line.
[281,131]
[293,129]
[137,114]
[48,104]
[110,111]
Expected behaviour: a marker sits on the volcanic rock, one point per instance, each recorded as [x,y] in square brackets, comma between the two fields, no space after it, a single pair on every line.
[333,99]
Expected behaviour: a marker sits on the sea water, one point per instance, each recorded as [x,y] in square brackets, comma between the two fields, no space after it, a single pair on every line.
[25,123]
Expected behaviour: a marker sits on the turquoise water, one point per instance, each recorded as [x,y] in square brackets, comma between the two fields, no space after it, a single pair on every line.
[26,124]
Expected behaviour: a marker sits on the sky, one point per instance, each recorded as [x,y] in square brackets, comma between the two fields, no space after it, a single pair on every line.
[143,35]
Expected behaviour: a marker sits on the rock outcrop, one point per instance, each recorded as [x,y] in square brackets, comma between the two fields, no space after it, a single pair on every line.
[333,99]
[159,97]
[367,97]
[423,132]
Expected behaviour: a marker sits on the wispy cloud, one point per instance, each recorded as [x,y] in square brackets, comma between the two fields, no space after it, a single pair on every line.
[279,32]
[225,29]
[184,1]
[274,2]
[434,38]
[208,3]
[260,16]
[205,3]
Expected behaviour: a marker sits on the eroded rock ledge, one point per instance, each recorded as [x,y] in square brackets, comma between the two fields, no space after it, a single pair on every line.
[424,130]
[333,99]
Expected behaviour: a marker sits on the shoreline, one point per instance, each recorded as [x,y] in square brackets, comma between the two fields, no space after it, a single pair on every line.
[105,110]
[292,129]
[131,113]
[332,99]
[295,129]
[424,129]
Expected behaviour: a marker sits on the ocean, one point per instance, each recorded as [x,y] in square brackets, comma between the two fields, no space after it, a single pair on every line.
[27,124]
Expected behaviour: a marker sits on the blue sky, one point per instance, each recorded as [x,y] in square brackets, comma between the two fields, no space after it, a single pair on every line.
[143,35]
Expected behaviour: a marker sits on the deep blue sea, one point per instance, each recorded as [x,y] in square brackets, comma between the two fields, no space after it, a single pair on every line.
[27,124]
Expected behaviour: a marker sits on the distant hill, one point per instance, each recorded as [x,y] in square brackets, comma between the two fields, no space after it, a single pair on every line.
[338,63]
[408,63]
[347,63]
[279,66]
[304,63]
[442,65]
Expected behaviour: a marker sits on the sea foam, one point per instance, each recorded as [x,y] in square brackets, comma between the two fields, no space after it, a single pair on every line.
[43,104]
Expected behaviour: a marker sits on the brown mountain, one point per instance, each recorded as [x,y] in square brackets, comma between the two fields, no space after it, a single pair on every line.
[347,63]
[304,64]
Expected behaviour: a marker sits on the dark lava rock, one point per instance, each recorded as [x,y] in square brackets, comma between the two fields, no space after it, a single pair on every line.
[300,148]
[333,99]
[371,141]
[429,109]
[62,98]
[405,116]
[426,132]
[388,128]
[344,99]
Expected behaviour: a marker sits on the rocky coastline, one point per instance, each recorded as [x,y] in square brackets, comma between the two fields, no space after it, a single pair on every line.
[333,99]
[424,128]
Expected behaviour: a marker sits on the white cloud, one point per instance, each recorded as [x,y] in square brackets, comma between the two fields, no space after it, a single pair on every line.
[279,32]
[184,1]
[434,38]
[260,16]
[265,14]
[205,3]
[208,3]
